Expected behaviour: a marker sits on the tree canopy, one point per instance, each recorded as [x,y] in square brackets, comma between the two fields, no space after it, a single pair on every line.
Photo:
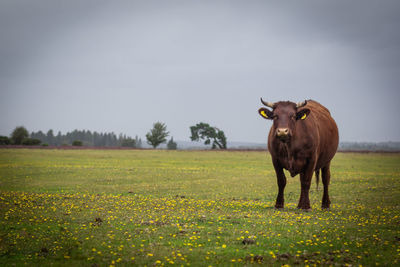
[208,133]
[18,135]
[157,135]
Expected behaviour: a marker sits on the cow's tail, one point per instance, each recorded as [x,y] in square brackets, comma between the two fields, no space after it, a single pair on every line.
[317,177]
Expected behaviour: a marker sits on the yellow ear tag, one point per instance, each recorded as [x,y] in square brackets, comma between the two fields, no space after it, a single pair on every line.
[263,114]
[304,116]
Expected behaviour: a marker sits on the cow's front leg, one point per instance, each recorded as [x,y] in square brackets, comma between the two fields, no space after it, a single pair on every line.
[305,180]
[281,179]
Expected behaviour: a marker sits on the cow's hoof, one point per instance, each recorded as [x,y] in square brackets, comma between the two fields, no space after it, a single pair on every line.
[279,208]
[325,208]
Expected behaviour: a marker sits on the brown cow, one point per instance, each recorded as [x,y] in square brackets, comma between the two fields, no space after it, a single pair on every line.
[303,139]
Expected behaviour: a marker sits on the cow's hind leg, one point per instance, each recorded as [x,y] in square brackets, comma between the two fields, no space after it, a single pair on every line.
[326,177]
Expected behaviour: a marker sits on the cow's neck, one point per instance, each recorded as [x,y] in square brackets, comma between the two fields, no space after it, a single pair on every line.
[288,151]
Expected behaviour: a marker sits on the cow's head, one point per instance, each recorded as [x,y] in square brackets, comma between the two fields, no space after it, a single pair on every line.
[285,115]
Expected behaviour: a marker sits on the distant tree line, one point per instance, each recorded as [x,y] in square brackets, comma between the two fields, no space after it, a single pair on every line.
[155,137]
[86,138]
[21,136]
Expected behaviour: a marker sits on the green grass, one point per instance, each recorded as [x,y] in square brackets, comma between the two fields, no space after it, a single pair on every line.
[127,207]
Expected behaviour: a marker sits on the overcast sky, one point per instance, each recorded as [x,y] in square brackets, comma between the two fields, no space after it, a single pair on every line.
[122,65]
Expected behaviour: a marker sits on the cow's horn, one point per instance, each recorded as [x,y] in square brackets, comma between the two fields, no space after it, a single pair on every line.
[301,104]
[268,104]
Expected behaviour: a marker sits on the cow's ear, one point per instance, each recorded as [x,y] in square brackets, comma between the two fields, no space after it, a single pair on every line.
[302,114]
[266,113]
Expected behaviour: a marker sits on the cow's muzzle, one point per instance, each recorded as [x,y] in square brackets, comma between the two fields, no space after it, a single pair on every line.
[283,134]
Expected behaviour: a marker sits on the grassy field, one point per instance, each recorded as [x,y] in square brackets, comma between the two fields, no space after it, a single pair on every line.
[154,208]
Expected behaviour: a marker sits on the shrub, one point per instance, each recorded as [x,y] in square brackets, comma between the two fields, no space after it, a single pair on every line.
[77,143]
[171,145]
[31,142]
[4,140]
[128,142]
